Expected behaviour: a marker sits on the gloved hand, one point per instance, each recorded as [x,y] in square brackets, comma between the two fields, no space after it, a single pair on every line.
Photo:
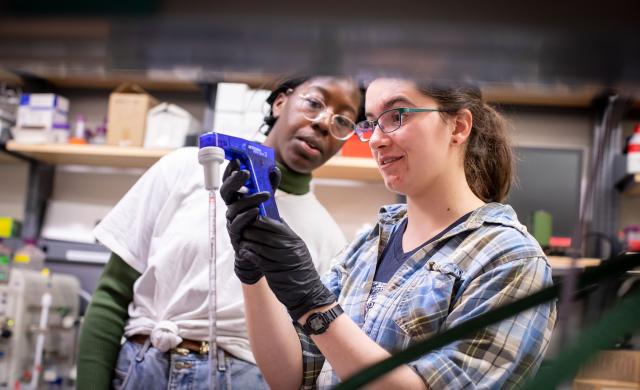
[286,263]
[241,210]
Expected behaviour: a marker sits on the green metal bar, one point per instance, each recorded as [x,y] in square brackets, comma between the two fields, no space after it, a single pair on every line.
[614,324]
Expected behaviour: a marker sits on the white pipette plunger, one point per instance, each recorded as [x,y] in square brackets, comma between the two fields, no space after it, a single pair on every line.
[210,158]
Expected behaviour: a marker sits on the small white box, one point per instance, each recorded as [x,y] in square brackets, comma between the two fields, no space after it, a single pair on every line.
[168,127]
[42,110]
[231,97]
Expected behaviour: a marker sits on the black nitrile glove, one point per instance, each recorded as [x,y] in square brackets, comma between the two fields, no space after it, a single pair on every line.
[241,210]
[285,261]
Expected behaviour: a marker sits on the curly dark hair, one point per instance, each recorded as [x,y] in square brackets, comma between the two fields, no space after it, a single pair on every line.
[283,87]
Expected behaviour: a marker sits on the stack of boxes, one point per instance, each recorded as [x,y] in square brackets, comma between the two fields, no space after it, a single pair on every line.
[42,118]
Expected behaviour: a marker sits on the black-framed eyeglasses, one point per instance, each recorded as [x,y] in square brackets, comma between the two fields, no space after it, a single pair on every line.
[314,109]
[388,122]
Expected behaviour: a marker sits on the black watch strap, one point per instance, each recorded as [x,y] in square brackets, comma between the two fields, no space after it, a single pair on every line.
[318,323]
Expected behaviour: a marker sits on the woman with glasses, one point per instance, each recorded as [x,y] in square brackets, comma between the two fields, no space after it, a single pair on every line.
[154,289]
[451,253]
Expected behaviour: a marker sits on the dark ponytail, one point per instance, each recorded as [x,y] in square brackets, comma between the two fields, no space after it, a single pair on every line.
[488,160]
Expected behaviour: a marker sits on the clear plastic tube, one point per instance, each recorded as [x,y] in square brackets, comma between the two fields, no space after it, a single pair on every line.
[212,291]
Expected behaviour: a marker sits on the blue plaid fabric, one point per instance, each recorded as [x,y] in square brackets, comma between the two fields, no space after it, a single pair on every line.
[485,262]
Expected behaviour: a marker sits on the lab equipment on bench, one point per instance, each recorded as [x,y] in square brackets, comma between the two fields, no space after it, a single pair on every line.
[38,328]
[29,256]
[259,160]
[6,253]
[79,136]
[9,228]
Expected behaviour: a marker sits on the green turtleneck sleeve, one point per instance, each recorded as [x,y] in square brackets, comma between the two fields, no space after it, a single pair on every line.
[103,325]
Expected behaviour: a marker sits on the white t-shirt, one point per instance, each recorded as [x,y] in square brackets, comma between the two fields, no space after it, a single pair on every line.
[160,228]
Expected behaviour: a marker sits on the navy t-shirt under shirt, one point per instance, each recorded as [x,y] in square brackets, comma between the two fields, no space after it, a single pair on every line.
[393,256]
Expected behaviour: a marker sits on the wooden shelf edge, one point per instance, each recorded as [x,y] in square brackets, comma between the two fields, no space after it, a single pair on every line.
[339,167]
[151,80]
[97,155]
[161,80]
[541,96]
[564,262]
[89,149]
[112,81]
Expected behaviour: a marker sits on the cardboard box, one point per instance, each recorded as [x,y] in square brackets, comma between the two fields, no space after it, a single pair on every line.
[616,369]
[168,127]
[127,119]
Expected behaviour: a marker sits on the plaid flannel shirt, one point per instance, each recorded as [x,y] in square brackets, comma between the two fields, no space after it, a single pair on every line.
[485,262]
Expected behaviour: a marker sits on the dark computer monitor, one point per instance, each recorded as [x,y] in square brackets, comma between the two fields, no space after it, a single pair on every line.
[548,179]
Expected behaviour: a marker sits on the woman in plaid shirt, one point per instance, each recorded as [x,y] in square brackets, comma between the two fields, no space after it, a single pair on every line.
[451,253]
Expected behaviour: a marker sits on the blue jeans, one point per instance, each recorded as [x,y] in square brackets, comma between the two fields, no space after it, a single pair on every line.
[145,367]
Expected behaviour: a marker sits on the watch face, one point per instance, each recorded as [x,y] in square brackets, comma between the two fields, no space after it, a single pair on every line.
[316,323]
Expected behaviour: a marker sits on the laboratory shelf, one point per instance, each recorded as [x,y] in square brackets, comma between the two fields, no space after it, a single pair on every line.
[159,80]
[339,167]
[8,159]
[152,80]
[533,95]
[101,155]
[114,79]
[564,262]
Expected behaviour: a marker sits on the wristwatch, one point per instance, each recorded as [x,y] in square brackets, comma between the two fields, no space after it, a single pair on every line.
[319,322]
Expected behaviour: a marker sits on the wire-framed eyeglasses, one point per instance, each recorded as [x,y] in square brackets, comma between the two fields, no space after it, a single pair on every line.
[314,109]
[388,122]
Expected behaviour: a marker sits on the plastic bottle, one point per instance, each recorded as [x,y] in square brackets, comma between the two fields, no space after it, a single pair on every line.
[100,135]
[78,136]
[633,152]
[29,256]
[632,238]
